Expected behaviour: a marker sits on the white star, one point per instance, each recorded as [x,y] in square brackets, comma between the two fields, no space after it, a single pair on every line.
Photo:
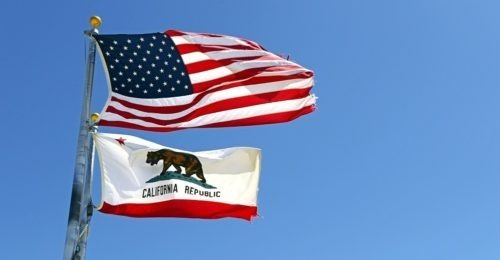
[139,66]
[101,41]
[151,85]
[144,59]
[154,37]
[148,72]
[115,42]
[143,79]
[121,54]
[125,67]
[153,65]
[178,82]
[111,66]
[129,41]
[148,52]
[138,46]
[169,76]
[182,73]
[129,79]
[142,39]
[166,63]
[137,86]
[135,53]
[160,50]
[131,60]
[159,90]
[123,85]
[164,83]
[120,73]
[174,68]
[130,91]
[169,55]
[111,48]
[117,61]
[178,61]
[157,78]
[151,44]
[161,70]
[125,47]
[172,47]
[186,86]
[114,79]
[134,73]
[163,42]
[157,57]
[145,91]
[107,54]
[116,89]
[173,89]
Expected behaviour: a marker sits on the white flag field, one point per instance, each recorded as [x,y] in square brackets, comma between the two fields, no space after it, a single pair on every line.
[144,179]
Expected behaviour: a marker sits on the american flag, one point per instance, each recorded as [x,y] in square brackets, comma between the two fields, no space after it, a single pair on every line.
[176,80]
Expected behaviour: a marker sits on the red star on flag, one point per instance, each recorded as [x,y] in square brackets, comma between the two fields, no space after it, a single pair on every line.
[121,140]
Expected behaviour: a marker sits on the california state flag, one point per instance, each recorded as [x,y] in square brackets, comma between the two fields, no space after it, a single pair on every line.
[145,179]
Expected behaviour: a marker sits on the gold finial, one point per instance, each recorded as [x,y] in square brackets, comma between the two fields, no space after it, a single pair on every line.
[94,117]
[95,21]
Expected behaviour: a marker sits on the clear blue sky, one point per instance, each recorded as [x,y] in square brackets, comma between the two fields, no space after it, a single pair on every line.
[400,160]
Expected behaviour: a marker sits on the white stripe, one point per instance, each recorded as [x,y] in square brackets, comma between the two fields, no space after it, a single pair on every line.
[226,115]
[220,55]
[207,40]
[213,98]
[235,68]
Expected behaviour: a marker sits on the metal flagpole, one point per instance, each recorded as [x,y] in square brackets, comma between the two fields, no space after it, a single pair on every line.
[78,207]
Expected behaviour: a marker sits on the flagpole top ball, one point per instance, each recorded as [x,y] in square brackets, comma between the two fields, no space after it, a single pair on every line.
[94,117]
[95,21]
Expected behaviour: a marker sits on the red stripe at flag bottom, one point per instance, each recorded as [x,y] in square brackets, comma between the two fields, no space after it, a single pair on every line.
[182,209]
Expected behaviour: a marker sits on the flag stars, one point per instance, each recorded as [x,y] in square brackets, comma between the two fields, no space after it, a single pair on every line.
[148,52]
[169,76]
[151,85]
[139,66]
[186,87]
[165,83]
[178,81]
[111,47]
[144,59]
[163,43]
[134,53]
[151,44]
[174,68]
[172,47]
[120,73]
[143,79]
[111,66]
[183,74]
[125,67]
[138,46]
[115,42]
[145,91]
[157,57]
[129,79]
[173,89]
[148,72]
[153,65]
[141,39]
[129,41]
[137,86]
[117,61]
[159,90]
[107,53]
[178,61]
[125,48]
[169,55]
[153,37]
[134,73]
[160,50]
[131,60]
[161,71]
[157,78]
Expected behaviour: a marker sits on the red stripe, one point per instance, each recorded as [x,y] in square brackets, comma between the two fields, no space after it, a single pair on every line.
[205,65]
[233,103]
[182,209]
[197,99]
[186,48]
[257,120]
[236,77]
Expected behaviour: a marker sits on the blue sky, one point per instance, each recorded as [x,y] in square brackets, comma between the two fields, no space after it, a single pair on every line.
[400,160]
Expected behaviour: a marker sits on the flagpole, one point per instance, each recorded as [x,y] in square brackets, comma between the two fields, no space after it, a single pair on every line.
[75,236]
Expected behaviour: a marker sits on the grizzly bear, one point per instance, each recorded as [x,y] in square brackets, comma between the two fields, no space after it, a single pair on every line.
[177,159]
